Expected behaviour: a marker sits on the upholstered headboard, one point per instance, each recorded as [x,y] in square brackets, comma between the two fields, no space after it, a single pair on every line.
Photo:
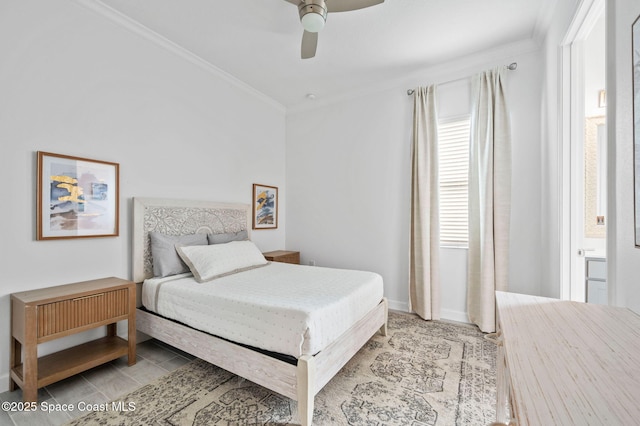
[180,217]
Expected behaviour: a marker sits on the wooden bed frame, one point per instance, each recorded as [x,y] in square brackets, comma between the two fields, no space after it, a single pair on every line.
[299,382]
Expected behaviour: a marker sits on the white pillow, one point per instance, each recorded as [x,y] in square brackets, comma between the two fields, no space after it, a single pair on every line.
[213,261]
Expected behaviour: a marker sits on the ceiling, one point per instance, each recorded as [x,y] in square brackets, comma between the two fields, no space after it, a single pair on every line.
[258,41]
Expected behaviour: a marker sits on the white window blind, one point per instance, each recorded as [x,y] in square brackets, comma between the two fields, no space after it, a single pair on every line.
[453,145]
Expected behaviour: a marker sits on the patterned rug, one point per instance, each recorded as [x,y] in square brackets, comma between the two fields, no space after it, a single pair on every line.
[422,373]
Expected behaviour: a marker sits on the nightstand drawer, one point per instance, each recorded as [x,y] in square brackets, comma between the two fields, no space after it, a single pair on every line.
[84,311]
[283,256]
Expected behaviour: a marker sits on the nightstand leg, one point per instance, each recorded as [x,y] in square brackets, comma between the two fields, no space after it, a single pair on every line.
[112,329]
[16,358]
[30,373]
[30,363]
[131,323]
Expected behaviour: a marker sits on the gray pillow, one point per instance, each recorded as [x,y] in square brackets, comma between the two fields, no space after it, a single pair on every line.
[163,251]
[228,237]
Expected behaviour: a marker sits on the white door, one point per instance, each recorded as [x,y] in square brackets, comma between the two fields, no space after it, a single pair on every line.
[585,55]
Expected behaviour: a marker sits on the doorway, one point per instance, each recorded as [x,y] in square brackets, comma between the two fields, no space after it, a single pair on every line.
[584,162]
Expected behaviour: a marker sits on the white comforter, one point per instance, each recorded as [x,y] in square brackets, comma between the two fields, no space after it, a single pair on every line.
[290,309]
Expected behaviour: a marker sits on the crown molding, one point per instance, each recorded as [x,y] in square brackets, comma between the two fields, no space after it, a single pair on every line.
[441,73]
[141,30]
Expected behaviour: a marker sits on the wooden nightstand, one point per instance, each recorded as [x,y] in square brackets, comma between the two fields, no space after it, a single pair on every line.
[46,314]
[283,256]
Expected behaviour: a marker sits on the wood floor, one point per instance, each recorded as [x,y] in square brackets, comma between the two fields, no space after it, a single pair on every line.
[99,385]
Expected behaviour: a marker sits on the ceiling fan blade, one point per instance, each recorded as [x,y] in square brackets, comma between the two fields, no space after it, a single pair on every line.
[309,45]
[347,5]
[296,2]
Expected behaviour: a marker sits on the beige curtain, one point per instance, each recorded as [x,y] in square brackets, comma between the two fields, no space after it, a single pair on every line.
[424,274]
[489,199]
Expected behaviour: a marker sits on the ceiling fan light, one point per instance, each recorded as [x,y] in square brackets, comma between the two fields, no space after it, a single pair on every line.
[312,22]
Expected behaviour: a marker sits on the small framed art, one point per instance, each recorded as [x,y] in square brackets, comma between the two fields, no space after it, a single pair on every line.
[265,207]
[77,197]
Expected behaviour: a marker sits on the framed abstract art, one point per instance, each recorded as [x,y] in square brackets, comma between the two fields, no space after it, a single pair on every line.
[265,207]
[76,197]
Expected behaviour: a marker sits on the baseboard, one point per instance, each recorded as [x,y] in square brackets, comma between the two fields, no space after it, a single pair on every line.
[457,316]
[398,306]
[445,314]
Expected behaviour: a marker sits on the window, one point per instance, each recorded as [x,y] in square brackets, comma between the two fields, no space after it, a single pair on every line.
[453,145]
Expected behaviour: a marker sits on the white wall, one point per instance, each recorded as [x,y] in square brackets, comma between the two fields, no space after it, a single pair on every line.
[348,197]
[623,256]
[348,178]
[75,83]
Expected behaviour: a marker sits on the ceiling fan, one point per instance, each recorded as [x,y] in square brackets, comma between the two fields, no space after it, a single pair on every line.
[313,14]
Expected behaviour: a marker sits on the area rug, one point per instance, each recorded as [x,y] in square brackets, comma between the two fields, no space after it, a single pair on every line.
[422,373]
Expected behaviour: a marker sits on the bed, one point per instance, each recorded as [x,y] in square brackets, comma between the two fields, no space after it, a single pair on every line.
[296,367]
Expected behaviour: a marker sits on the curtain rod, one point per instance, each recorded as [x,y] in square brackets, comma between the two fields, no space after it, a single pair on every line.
[512,66]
